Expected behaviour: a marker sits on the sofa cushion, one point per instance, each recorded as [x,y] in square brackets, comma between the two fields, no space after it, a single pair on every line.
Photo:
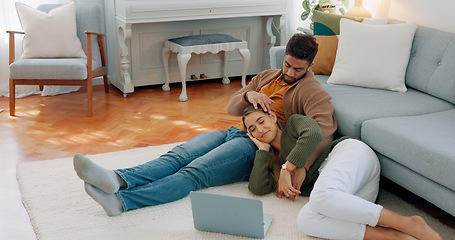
[354,105]
[328,24]
[424,143]
[325,58]
[374,56]
[431,65]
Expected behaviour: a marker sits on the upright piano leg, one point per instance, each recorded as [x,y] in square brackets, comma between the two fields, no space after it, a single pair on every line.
[225,62]
[166,53]
[183,61]
[245,53]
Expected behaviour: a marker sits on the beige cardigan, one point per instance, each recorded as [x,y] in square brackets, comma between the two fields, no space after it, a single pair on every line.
[306,97]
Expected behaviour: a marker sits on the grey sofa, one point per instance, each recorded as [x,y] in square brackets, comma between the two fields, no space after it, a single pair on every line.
[413,133]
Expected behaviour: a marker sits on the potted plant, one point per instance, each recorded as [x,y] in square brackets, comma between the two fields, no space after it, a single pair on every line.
[322,5]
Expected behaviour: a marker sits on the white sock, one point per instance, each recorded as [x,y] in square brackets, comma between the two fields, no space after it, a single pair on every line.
[110,202]
[104,179]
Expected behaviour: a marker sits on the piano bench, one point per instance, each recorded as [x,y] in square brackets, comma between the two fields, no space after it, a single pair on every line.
[200,44]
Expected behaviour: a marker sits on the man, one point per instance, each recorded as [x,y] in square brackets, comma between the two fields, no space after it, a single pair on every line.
[218,157]
[291,90]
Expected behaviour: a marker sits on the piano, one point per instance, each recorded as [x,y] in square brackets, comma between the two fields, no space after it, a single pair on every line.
[136,31]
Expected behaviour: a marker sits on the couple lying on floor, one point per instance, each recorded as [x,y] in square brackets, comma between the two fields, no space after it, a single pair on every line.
[340,176]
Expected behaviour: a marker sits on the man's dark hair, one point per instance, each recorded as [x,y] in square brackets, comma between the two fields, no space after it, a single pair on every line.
[302,46]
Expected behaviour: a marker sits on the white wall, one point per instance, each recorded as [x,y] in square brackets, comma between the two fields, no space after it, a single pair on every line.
[437,14]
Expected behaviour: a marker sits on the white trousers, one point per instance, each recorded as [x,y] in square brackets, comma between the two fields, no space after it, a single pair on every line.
[342,201]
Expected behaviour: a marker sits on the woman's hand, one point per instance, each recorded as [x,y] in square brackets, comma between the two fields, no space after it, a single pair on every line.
[259,144]
[298,177]
[285,186]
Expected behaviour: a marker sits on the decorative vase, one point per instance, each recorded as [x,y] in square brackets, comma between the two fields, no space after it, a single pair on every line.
[358,10]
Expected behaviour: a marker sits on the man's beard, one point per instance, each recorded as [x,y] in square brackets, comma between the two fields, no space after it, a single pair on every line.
[283,77]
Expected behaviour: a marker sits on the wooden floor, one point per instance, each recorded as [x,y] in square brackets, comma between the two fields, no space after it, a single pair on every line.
[56,127]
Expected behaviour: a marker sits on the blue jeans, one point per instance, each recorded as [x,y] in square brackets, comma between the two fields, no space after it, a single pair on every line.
[209,159]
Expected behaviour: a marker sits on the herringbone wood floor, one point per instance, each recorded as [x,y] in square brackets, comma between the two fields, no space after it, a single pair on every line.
[56,127]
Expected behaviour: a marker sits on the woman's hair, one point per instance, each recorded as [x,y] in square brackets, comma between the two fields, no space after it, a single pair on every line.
[302,46]
[250,109]
[274,163]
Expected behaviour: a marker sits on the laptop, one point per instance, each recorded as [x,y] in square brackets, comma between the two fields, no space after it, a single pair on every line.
[229,214]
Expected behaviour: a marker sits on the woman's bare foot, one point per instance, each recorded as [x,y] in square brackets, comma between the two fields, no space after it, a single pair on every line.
[414,226]
[421,230]
[381,232]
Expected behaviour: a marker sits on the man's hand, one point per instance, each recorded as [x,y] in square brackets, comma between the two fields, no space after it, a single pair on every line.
[259,98]
[298,177]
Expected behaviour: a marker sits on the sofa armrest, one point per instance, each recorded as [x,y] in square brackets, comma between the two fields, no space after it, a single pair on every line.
[276,57]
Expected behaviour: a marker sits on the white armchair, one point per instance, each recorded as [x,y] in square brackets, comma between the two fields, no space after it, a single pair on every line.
[64,71]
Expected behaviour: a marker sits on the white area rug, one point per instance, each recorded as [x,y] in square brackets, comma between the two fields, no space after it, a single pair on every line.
[59,208]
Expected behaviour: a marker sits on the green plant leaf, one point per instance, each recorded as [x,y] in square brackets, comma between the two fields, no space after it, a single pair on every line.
[304,15]
[324,2]
[342,11]
[306,5]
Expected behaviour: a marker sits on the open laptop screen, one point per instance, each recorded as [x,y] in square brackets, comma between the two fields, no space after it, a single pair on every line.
[229,214]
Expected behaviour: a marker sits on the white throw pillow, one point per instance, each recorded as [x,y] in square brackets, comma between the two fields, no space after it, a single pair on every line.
[373,56]
[52,34]
[375,21]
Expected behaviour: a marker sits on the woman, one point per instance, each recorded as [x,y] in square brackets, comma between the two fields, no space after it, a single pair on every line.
[344,181]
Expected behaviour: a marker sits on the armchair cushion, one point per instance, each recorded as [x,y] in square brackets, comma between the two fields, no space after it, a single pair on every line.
[52,34]
[51,68]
